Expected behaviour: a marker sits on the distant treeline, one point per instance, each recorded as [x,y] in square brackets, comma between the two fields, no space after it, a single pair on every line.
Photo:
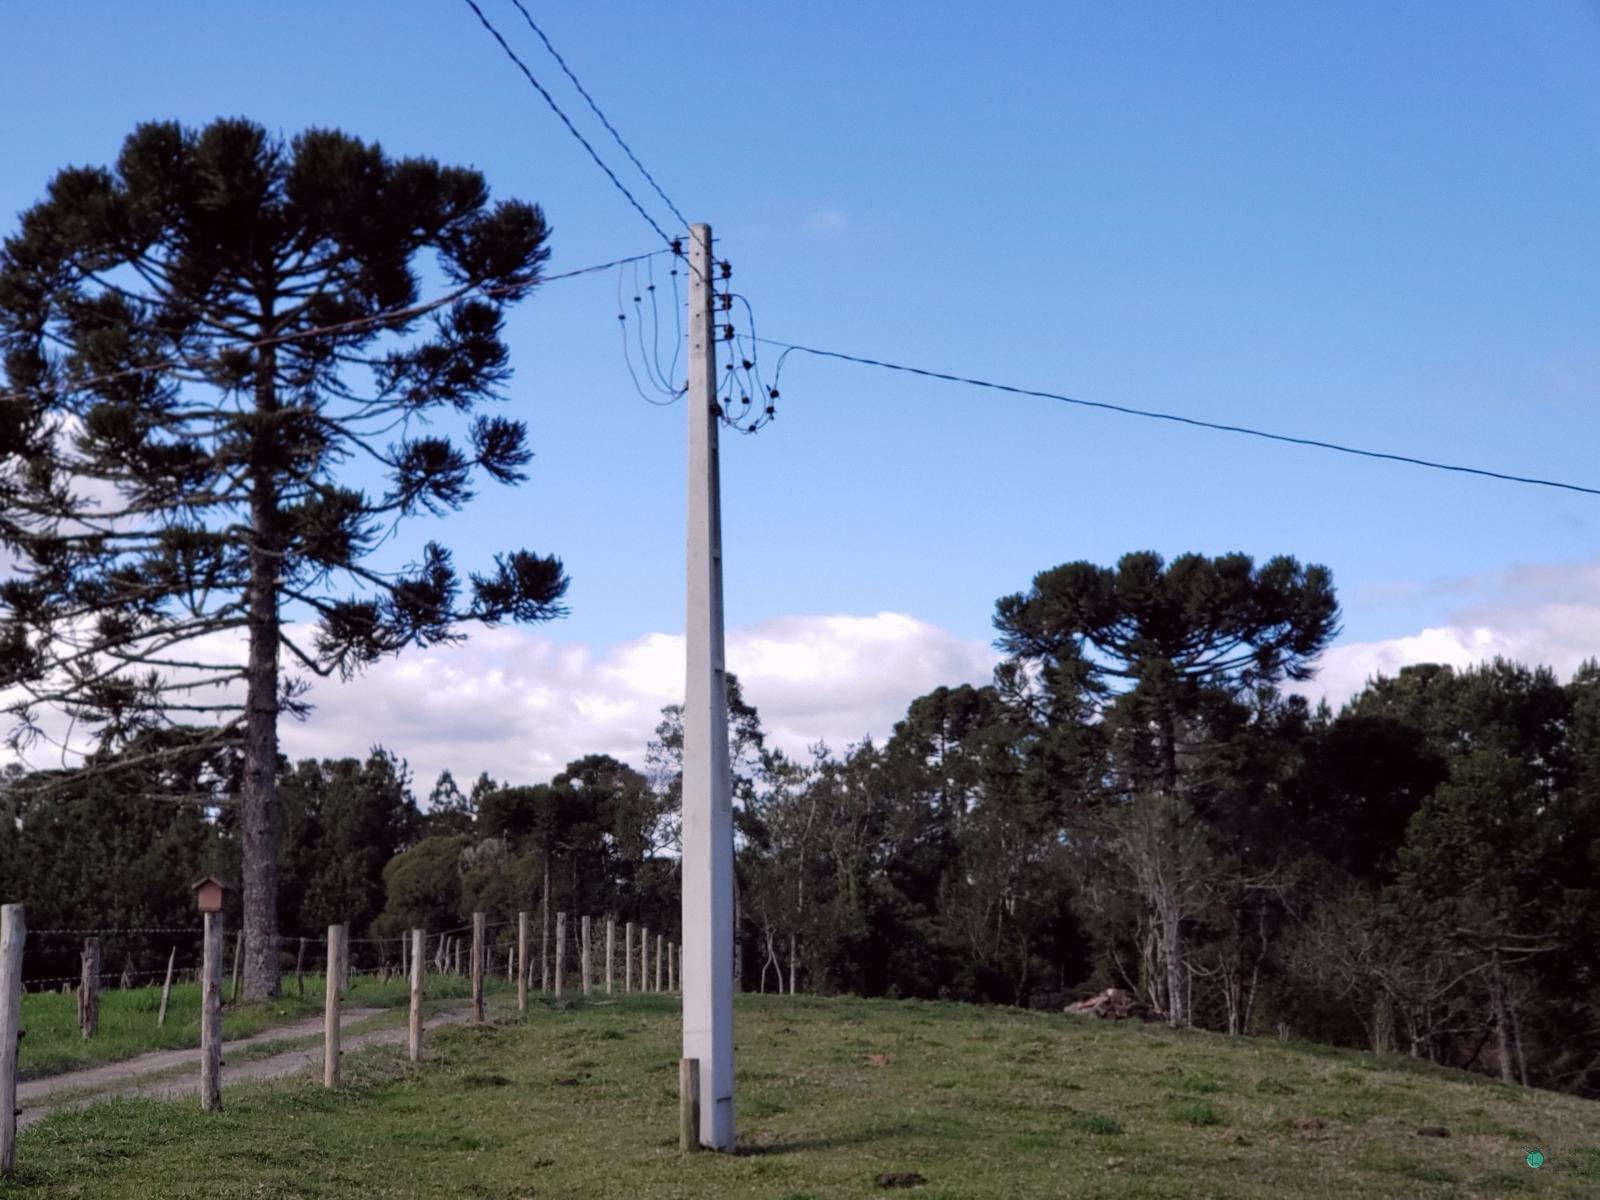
[1133,802]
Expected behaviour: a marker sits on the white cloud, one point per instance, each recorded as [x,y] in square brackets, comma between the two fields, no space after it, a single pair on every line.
[516,704]
[826,220]
[1541,615]
[520,706]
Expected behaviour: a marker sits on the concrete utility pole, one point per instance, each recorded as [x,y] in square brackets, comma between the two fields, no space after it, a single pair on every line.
[707,786]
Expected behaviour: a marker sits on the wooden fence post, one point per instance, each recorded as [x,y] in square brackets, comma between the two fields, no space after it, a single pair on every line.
[644,959]
[672,966]
[587,952]
[211,1013]
[418,965]
[561,952]
[611,948]
[477,968]
[89,989]
[166,988]
[457,941]
[511,963]
[688,1104]
[330,1007]
[238,957]
[522,962]
[661,947]
[13,932]
[300,968]
[627,958]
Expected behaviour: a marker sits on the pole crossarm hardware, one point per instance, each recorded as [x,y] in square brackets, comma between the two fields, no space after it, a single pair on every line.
[707,965]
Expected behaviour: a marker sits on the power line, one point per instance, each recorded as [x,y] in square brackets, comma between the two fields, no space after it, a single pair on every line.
[789,347]
[595,108]
[571,128]
[404,313]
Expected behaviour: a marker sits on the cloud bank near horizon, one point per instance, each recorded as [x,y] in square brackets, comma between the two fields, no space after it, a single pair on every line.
[1546,615]
[519,705]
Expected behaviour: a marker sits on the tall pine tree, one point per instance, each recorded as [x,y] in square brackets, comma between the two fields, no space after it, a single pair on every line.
[196,342]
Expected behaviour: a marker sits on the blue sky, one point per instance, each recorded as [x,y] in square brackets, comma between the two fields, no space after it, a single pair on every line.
[1361,222]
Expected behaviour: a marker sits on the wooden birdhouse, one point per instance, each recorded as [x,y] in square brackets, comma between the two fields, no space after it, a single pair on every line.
[208,894]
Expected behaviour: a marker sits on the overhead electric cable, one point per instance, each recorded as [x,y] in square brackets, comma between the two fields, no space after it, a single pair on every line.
[571,128]
[789,347]
[404,313]
[595,108]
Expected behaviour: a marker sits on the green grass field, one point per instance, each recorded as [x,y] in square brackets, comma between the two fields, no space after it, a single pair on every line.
[831,1093]
[53,1044]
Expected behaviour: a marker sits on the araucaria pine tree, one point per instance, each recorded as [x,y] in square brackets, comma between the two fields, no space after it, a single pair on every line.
[197,341]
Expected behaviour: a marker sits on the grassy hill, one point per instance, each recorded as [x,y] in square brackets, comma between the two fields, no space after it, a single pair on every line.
[832,1093]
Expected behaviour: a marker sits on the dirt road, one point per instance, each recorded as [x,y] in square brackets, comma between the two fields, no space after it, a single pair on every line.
[158,1076]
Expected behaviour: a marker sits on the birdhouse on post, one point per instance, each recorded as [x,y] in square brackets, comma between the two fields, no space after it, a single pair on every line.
[208,894]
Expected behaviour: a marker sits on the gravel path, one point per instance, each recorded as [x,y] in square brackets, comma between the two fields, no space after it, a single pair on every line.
[100,1083]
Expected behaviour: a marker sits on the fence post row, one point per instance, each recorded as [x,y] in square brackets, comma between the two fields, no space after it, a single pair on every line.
[587,953]
[238,958]
[166,988]
[561,952]
[688,1104]
[89,989]
[522,962]
[477,968]
[211,1013]
[330,1006]
[418,965]
[13,931]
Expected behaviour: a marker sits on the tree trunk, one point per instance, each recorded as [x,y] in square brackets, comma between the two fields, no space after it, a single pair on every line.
[1172,956]
[1502,1034]
[258,800]
[1382,1025]
[544,933]
[1516,1040]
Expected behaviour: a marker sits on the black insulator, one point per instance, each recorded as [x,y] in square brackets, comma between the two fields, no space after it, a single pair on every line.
[771,412]
[773,392]
[727,269]
[677,248]
[636,299]
[748,364]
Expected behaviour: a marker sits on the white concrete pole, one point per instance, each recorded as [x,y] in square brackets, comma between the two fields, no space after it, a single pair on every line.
[13,933]
[707,787]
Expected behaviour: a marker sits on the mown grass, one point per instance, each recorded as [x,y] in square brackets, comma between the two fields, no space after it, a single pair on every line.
[979,1102]
[53,1044]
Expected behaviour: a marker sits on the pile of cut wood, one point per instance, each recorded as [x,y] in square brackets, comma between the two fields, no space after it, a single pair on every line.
[1114,1003]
